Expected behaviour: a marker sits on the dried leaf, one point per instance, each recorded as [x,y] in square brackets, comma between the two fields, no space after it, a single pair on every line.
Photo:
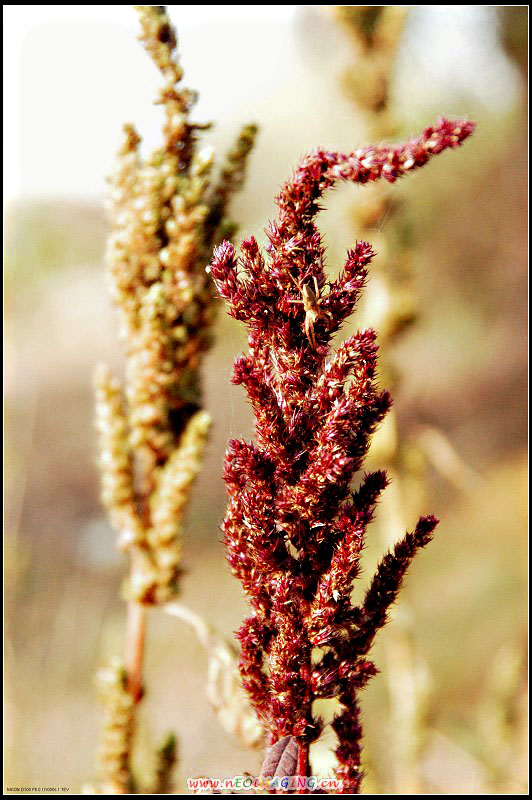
[281,759]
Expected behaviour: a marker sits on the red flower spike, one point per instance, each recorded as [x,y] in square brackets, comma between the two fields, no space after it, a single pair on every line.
[294,531]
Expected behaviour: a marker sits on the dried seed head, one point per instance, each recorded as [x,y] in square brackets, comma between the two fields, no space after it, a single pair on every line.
[166,211]
[293,530]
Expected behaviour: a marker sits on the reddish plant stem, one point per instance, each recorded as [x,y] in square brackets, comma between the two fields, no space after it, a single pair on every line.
[303,763]
[134,644]
[136,612]
[134,648]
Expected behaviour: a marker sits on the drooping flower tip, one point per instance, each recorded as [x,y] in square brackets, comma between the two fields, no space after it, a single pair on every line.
[456,129]
[424,530]
[370,490]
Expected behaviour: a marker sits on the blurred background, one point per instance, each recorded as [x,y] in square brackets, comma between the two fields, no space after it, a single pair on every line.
[74,75]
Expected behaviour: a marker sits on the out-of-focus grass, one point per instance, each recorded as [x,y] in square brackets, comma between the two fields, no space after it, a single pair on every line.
[46,238]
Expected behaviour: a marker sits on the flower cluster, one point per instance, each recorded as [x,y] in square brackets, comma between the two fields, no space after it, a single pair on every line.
[294,529]
[117,734]
[167,212]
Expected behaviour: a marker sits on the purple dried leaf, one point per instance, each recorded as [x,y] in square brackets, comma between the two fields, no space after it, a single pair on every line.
[281,759]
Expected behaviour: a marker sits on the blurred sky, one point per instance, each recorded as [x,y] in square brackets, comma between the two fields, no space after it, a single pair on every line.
[75,73]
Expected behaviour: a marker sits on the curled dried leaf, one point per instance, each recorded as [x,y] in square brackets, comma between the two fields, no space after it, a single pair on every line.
[281,759]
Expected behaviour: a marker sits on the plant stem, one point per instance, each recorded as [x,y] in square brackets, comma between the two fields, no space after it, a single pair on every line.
[136,622]
[303,763]
[134,648]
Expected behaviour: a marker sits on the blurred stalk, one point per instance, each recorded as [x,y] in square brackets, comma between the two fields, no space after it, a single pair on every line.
[503,719]
[134,648]
[514,34]
[392,307]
